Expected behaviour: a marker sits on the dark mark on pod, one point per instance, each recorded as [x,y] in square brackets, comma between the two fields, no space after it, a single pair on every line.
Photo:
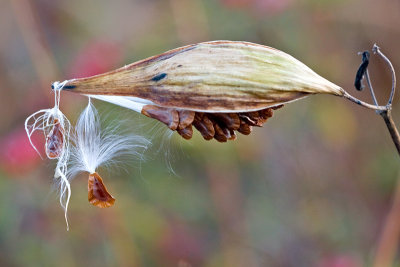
[159,77]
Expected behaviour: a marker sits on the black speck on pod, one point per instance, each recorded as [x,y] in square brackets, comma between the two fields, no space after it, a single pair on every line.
[159,77]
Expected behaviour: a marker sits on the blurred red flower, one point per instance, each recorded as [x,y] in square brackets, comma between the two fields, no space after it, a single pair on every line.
[181,245]
[17,156]
[259,6]
[95,58]
[340,261]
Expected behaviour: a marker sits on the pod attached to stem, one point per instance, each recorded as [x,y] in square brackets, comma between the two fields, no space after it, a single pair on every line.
[236,79]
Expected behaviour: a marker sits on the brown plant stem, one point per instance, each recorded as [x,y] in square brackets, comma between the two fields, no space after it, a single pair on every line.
[394,133]
[362,103]
[389,238]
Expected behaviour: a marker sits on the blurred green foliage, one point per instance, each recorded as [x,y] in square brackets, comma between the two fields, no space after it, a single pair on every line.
[310,188]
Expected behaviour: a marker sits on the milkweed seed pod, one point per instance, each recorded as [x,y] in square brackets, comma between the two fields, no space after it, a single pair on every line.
[223,85]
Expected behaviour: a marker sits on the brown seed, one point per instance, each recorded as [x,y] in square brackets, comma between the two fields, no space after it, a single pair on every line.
[97,192]
[258,118]
[255,116]
[169,117]
[204,125]
[186,118]
[277,107]
[245,118]
[230,120]
[219,134]
[55,141]
[186,133]
[266,113]
[245,128]
[233,135]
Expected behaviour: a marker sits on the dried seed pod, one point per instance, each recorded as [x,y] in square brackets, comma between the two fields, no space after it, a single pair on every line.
[219,76]
[55,141]
[362,70]
[97,192]
[169,117]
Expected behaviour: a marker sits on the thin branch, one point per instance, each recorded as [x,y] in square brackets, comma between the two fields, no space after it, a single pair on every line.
[394,133]
[362,103]
[376,50]
[386,114]
[371,89]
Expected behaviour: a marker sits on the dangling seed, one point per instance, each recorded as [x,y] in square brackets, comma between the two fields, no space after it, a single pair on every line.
[186,118]
[55,141]
[97,192]
[187,132]
[169,117]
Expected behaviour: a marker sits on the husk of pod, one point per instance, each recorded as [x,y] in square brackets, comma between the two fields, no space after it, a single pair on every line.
[209,78]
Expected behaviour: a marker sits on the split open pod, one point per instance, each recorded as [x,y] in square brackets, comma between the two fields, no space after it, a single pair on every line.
[219,87]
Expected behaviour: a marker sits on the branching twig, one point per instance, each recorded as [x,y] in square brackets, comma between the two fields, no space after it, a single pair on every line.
[394,133]
[388,241]
[386,113]
[376,50]
[362,103]
[371,90]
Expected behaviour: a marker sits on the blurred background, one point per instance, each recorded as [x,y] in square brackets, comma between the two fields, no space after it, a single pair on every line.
[311,188]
